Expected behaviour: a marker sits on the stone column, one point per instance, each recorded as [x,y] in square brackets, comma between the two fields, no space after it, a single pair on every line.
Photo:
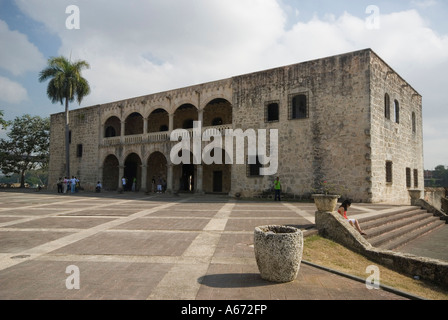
[171,122]
[169,179]
[120,175]
[143,186]
[123,126]
[145,126]
[198,186]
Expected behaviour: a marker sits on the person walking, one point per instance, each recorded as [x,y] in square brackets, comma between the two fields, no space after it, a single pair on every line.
[353,222]
[60,188]
[277,189]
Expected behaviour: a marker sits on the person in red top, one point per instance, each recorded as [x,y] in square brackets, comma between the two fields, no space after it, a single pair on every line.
[343,212]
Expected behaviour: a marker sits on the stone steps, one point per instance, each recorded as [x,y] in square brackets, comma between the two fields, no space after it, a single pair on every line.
[394,229]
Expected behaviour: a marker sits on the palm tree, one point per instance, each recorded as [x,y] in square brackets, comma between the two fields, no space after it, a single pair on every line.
[65,85]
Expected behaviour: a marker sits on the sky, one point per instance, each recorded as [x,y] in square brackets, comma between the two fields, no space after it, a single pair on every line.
[140,47]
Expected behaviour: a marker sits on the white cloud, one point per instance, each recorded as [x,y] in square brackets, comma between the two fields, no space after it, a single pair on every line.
[138,47]
[17,54]
[12,92]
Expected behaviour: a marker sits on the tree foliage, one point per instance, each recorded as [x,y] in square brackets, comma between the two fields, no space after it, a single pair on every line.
[27,147]
[3,122]
[441,175]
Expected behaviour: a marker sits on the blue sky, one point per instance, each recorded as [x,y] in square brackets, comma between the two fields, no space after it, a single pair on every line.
[138,47]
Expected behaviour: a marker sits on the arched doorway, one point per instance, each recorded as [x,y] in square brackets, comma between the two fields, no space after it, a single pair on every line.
[217,176]
[133,172]
[156,172]
[185,175]
[110,173]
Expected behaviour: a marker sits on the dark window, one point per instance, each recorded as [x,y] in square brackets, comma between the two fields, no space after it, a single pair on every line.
[408,177]
[70,136]
[387,106]
[389,171]
[272,112]
[414,129]
[397,111]
[79,151]
[254,168]
[415,178]
[299,107]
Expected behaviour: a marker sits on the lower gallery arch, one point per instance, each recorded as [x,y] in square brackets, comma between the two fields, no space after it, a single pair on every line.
[185,175]
[110,173]
[217,177]
[156,172]
[133,171]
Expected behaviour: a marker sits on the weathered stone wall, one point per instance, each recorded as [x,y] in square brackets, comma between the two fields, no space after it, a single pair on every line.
[391,140]
[330,143]
[84,124]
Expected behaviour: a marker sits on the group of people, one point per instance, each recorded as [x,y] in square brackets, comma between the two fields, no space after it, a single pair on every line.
[68,185]
[342,210]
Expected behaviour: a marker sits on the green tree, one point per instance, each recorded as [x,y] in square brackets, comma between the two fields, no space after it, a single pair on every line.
[27,147]
[441,174]
[66,84]
[3,122]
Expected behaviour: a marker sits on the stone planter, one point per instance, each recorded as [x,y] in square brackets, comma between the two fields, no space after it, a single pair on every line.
[415,196]
[278,252]
[326,202]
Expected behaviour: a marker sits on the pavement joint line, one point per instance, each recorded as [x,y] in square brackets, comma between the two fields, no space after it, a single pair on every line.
[181,281]
[32,253]
[302,213]
[57,214]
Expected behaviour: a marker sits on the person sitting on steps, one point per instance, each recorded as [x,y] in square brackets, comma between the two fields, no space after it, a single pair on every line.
[353,222]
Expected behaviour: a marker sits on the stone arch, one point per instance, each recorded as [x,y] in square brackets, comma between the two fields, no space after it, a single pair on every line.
[184,115]
[134,124]
[217,176]
[132,170]
[112,127]
[157,169]
[185,176]
[217,111]
[111,169]
[158,120]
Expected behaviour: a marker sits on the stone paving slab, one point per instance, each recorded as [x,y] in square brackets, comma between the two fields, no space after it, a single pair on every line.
[161,248]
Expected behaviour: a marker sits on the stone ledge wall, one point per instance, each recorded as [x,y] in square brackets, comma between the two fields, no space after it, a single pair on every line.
[332,226]
[434,196]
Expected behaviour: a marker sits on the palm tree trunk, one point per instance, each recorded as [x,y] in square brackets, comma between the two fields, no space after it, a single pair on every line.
[67,140]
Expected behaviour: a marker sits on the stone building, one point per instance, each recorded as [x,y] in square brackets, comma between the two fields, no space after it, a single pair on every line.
[348,119]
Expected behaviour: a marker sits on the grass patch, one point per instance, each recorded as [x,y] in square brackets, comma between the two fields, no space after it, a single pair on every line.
[332,255]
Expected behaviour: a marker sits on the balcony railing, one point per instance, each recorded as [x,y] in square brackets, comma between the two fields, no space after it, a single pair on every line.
[158,137]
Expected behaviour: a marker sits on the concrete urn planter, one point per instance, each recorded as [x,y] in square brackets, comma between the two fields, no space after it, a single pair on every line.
[278,252]
[325,202]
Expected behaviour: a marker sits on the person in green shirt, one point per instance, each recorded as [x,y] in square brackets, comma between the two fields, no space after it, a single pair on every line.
[277,189]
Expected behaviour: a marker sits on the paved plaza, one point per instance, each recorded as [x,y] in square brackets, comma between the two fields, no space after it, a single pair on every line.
[154,247]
